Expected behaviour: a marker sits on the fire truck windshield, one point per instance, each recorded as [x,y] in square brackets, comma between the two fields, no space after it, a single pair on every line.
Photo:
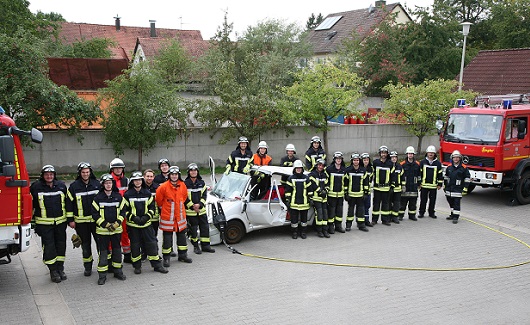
[473,128]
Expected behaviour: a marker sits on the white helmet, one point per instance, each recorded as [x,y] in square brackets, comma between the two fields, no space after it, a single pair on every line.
[316,138]
[456,153]
[410,149]
[136,175]
[116,163]
[298,164]
[431,149]
[263,144]
[290,147]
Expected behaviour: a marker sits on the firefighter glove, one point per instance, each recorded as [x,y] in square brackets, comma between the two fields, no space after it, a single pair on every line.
[246,169]
[464,192]
[109,226]
[144,219]
[76,240]
[227,171]
[115,225]
[137,220]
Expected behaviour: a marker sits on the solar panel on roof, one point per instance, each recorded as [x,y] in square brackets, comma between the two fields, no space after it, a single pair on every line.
[328,23]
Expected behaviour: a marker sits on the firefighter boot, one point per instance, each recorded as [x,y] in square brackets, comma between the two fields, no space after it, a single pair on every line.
[325,232]
[338,227]
[455,219]
[362,226]
[183,257]
[127,258]
[118,274]
[395,220]
[451,216]
[55,276]
[60,270]
[348,225]
[138,270]
[319,232]
[295,232]
[167,261]
[207,248]
[303,232]
[331,228]
[196,248]
[88,268]
[102,278]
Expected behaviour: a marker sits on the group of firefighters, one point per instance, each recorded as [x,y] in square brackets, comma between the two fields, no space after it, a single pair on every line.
[395,185]
[124,215]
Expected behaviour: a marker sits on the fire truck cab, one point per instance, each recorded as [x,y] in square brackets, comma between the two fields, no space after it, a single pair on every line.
[15,198]
[494,141]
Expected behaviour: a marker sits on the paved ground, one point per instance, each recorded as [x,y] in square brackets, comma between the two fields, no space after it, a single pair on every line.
[229,288]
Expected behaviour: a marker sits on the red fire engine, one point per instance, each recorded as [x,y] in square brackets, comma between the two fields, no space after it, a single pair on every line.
[15,199]
[494,142]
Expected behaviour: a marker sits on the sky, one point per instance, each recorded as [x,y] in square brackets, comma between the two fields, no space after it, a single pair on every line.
[204,15]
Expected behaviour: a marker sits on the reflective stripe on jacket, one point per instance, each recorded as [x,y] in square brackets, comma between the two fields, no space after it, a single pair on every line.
[106,208]
[49,203]
[431,173]
[79,200]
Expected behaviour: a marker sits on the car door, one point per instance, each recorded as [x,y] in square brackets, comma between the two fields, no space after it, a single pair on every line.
[266,211]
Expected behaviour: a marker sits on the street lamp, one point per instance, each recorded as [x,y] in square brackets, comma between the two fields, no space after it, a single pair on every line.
[465,32]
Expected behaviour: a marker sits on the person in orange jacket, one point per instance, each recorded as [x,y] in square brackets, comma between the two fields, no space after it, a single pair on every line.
[261,158]
[171,197]
[116,170]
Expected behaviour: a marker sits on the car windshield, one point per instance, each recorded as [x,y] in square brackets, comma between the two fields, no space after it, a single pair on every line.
[231,186]
[473,128]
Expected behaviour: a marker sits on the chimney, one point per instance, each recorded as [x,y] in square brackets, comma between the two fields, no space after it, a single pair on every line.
[380,4]
[117,22]
[153,29]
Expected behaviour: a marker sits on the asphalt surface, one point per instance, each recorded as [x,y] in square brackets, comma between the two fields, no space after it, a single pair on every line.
[424,272]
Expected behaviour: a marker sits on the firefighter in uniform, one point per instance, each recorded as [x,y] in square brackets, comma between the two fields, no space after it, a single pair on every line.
[163,167]
[149,176]
[456,183]
[171,197]
[356,187]
[106,214]
[49,216]
[288,160]
[411,184]
[240,160]
[314,152]
[431,180]
[261,158]
[383,169]
[367,201]
[319,187]
[138,207]
[297,195]
[396,180]
[117,171]
[81,193]
[196,211]
[336,172]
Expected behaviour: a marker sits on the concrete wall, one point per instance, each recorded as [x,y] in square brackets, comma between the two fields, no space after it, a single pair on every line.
[65,152]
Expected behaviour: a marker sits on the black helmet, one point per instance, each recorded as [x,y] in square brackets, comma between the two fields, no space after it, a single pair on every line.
[163,161]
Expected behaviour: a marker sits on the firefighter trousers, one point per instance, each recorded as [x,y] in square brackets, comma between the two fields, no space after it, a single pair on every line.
[167,243]
[408,201]
[335,207]
[321,215]
[86,230]
[298,215]
[355,209]
[395,203]
[104,241]
[427,194]
[367,202]
[454,203]
[53,240]
[381,206]
[143,238]
[199,224]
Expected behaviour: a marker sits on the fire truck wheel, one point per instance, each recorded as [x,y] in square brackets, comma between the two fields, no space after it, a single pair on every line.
[234,232]
[522,189]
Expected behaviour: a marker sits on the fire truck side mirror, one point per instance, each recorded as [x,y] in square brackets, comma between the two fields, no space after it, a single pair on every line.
[8,170]
[36,135]
[7,149]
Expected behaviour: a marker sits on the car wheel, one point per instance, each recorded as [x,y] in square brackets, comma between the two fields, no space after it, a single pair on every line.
[234,232]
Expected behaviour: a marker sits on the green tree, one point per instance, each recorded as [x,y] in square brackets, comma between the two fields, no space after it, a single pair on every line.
[143,110]
[418,107]
[17,16]
[323,93]
[29,96]
[173,63]
[471,11]
[313,21]
[247,77]
[509,24]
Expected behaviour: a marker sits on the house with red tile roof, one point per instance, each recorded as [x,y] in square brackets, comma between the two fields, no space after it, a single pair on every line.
[327,38]
[499,72]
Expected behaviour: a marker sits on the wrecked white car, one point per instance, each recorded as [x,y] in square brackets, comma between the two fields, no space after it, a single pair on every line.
[248,202]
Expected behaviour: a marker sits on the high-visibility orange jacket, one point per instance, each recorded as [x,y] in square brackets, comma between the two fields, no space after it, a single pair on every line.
[172,198]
